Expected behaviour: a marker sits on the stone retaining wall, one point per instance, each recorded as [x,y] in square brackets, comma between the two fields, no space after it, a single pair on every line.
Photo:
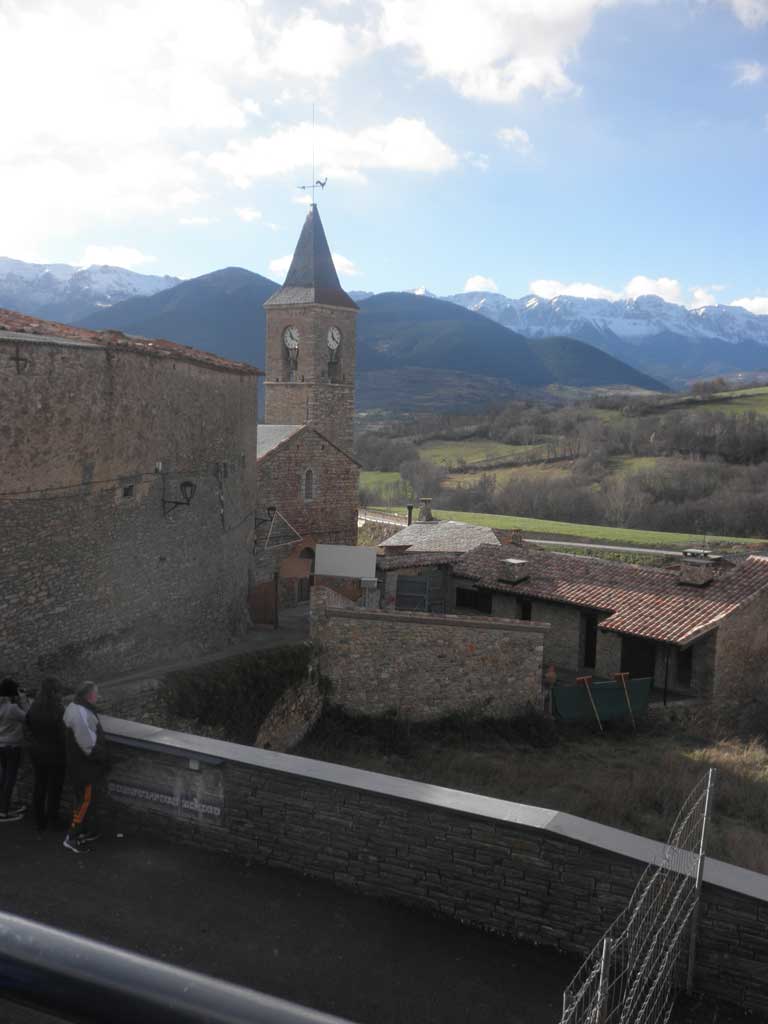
[425,666]
[527,872]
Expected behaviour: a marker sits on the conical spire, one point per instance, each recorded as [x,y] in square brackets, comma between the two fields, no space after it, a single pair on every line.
[312,277]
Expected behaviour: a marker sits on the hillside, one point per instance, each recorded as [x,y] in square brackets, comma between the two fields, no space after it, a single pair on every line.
[414,351]
[579,365]
[220,312]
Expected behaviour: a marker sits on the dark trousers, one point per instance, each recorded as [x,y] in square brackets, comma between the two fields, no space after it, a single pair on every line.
[87,801]
[10,759]
[46,796]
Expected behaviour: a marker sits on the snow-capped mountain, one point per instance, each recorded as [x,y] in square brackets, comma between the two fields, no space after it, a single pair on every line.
[57,291]
[632,320]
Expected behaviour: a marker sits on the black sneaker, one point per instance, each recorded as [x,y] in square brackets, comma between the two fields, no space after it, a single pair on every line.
[73,843]
[88,837]
[18,808]
[12,815]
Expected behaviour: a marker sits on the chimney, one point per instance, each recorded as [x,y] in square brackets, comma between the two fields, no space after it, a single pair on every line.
[513,570]
[509,536]
[410,514]
[697,567]
[425,512]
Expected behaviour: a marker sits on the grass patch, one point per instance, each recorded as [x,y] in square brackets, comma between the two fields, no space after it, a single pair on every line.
[451,453]
[588,531]
[374,479]
[631,781]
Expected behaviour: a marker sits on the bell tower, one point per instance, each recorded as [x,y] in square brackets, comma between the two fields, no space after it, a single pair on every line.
[310,348]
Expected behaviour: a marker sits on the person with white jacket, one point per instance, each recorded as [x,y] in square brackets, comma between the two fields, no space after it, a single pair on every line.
[86,764]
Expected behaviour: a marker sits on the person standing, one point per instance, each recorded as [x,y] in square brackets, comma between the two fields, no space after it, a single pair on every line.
[86,764]
[45,735]
[13,711]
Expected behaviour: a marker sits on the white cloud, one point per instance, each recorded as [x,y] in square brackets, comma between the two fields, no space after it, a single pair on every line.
[114,256]
[757,304]
[197,221]
[517,139]
[478,283]
[405,144]
[665,287]
[301,200]
[478,160]
[549,289]
[252,107]
[279,266]
[344,267]
[306,46]
[750,73]
[704,295]
[248,215]
[499,49]
[752,13]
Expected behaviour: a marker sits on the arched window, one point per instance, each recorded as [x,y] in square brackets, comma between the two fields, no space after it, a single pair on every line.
[309,485]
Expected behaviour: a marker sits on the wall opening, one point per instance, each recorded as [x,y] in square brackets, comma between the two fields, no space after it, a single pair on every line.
[589,640]
[476,600]
[638,657]
[309,485]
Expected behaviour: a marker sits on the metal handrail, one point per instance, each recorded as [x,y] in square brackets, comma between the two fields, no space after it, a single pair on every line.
[79,980]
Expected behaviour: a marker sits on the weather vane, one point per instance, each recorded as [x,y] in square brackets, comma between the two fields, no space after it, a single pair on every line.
[316,182]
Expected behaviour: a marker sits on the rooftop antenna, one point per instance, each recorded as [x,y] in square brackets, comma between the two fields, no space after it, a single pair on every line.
[316,183]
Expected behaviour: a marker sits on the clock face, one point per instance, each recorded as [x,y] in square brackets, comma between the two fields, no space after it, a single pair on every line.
[291,337]
[334,338]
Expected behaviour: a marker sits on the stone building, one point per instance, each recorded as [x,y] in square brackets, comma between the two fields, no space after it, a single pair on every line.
[126,495]
[692,629]
[305,469]
[143,514]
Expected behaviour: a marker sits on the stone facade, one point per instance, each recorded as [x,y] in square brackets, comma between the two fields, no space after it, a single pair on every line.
[321,393]
[424,666]
[330,514]
[97,575]
[532,874]
[742,645]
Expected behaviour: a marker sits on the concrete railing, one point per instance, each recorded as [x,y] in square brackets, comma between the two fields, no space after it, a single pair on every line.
[529,872]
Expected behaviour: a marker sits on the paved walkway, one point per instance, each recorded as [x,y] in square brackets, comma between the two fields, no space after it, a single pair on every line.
[308,941]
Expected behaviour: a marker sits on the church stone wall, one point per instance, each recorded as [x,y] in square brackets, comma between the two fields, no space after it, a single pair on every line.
[312,397]
[330,516]
[94,578]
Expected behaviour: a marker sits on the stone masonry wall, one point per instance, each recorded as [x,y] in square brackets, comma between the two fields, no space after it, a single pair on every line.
[330,516]
[94,577]
[742,645]
[425,666]
[532,874]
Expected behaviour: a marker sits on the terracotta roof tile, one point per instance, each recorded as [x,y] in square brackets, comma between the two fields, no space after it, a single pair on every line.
[643,602]
[19,323]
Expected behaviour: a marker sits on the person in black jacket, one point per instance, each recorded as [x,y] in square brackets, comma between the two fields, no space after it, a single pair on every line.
[47,750]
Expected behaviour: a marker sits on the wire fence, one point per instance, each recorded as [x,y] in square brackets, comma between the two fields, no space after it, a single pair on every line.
[648,953]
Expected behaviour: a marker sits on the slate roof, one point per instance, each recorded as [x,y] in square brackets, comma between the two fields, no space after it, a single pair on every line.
[17,326]
[270,435]
[407,561]
[441,535]
[643,602]
[312,277]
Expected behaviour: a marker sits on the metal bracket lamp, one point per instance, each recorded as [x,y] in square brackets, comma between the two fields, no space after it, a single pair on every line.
[261,520]
[187,489]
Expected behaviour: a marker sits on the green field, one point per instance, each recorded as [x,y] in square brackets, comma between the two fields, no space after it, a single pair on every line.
[451,453]
[587,531]
[374,479]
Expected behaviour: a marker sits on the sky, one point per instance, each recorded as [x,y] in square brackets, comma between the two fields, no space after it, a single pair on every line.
[605,148]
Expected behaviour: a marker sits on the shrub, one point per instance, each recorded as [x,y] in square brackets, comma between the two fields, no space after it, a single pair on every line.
[235,694]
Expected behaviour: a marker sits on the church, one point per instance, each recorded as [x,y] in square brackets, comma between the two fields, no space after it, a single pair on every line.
[145,513]
[306,473]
